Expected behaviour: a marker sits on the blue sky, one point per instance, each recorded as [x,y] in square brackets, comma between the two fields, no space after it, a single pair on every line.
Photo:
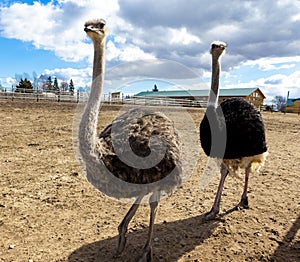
[151,42]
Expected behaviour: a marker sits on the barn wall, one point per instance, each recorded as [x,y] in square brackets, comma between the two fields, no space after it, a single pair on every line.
[256,99]
[295,108]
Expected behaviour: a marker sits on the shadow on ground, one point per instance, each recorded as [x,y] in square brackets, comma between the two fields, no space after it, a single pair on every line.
[287,246]
[172,241]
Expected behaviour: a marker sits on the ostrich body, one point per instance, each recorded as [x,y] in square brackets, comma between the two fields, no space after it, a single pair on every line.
[146,132]
[233,132]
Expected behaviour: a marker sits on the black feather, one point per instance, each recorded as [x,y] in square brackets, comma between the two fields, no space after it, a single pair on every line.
[233,130]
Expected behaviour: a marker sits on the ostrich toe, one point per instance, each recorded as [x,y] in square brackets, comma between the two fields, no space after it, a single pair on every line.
[147,255]
[243,204]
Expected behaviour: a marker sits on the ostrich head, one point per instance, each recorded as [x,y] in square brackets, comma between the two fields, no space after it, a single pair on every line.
[217,48]
[96,29]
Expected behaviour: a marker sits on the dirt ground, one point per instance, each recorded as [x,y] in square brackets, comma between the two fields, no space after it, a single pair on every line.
[49,212]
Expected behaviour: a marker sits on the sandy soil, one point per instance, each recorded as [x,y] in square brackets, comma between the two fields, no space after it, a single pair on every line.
[48,212]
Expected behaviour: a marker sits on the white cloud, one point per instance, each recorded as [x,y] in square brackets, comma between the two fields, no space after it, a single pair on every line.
[181,33]
[181,36]
[57,28]
[269,67]
[9,81]
[274,85]
[266,63]
[170,30]
[133,53]
[222,31]
[80,77]
[127,53]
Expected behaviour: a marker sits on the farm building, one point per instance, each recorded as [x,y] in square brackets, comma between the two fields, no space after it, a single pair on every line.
[293,105]
[116,96]
[253,95]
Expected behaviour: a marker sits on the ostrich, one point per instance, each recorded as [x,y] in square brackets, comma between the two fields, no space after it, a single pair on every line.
[146,133]
[232,132]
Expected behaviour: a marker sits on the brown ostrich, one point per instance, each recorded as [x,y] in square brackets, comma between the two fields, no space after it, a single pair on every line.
[233,132]
[135,157]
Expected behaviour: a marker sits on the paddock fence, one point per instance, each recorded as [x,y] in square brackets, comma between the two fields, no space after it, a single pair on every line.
[160,101]
[106,98]
[45,96]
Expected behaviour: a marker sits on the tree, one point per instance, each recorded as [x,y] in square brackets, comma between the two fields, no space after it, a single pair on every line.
[55,85]
[155,89]
[64,86]
[35,82]
[18,77]
[24,86]
[71,87]
[42,82]
[279,102]
[49,83]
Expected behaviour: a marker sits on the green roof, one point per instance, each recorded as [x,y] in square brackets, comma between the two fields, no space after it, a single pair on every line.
[291,101]
[204,92]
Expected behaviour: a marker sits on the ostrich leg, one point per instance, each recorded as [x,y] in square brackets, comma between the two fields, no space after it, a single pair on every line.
[244,199]
[147,251]
[124,226]
[216,206]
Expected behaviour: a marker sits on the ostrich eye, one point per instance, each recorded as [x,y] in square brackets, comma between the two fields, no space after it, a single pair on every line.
[100,26]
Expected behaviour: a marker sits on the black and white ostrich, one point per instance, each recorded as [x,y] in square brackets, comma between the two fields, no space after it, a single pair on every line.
[136,133]
[232,132]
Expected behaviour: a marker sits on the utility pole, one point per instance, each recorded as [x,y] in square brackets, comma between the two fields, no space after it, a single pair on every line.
[287,98]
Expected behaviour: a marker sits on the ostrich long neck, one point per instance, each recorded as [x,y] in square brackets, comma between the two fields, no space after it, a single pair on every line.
[214,89]
[88,124]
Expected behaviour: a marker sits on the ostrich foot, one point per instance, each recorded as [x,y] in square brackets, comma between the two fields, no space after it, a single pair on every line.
[211,214]
[122,228]
[243,204]
[147,255]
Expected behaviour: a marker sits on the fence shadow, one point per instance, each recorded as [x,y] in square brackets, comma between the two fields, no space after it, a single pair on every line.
[171,241]
[287,247]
